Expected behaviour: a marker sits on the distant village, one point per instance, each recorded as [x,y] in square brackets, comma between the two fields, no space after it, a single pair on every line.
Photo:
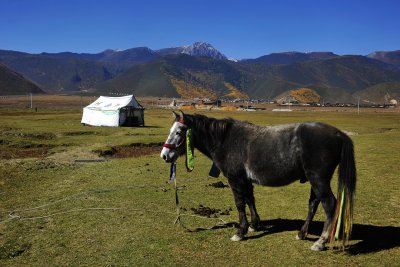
[261,104]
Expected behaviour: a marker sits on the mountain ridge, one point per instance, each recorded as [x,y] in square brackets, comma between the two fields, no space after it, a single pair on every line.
[12,82]
[290,57]
[202,66]
[334,79]
[390,57]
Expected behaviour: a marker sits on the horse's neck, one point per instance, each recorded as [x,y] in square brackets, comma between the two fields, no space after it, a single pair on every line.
[200,138]
[208,138]
[200,145]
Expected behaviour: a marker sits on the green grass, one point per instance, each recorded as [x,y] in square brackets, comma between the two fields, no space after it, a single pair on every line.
[135,223]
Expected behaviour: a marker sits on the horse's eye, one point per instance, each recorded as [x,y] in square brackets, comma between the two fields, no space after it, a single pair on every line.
[178,133]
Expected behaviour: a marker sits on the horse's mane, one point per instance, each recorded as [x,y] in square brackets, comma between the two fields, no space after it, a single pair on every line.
[209,132]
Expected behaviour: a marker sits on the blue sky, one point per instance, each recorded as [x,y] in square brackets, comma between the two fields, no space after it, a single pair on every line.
[238,28]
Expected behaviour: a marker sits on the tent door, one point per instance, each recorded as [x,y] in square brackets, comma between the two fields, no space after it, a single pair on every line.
[133,117]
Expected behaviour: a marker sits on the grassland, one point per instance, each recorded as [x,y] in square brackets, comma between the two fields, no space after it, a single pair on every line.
[62,205]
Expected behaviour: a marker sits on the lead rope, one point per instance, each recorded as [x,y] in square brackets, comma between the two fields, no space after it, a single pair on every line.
[189,162]
[177,205]
[178,220]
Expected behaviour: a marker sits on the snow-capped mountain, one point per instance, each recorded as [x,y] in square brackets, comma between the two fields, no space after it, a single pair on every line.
[199,49]
[203,50]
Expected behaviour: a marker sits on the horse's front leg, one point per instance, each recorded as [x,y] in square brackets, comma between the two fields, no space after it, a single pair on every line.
[243,223]
[239,193]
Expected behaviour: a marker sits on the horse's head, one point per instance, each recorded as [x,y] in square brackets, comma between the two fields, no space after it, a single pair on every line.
[175,144]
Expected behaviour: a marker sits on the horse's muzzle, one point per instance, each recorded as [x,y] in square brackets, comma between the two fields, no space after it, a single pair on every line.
[169,155]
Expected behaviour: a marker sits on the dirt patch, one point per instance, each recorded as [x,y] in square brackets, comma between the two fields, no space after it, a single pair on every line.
[11,250]
[17,153]
[210,212]
[43,164]
[132,151]
[218,185]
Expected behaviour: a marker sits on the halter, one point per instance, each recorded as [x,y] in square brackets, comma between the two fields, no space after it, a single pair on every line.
[173,146]
[187,138]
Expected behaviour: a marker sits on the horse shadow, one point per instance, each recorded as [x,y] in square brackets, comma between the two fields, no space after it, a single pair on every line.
[369,238]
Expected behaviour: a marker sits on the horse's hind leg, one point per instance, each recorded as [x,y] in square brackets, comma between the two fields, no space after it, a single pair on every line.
[324,193]
[313,203]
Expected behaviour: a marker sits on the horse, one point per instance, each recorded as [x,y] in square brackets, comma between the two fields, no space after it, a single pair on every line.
[275,156]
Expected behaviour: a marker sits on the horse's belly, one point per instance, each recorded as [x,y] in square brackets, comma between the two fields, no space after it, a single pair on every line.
[273,177]
[277,181]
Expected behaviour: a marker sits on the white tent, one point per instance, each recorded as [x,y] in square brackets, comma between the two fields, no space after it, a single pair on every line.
[114,111]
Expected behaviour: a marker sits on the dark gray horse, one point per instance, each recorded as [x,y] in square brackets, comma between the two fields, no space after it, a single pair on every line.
[275,156]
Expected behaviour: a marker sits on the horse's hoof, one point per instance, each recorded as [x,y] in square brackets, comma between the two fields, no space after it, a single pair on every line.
[300,236]
[236,238]
[251,229]
[318,247]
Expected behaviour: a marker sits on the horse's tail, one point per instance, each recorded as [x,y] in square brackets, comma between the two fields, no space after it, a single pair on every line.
[343,220]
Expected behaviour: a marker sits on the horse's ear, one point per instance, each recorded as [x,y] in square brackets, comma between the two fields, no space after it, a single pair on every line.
[176,116]
[182,116]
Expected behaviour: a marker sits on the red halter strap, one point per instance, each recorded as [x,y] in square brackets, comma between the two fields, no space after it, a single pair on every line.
[173,146]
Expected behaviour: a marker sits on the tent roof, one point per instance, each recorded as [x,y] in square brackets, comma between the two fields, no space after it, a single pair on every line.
[114,103]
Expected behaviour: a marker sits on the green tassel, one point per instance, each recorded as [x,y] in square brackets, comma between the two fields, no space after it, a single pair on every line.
[189,151]
[340,217]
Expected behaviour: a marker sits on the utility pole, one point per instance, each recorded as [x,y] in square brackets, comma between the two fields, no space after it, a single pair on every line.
[31,100]
[80,90]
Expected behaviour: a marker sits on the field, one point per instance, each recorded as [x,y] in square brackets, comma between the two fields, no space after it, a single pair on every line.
[72,195]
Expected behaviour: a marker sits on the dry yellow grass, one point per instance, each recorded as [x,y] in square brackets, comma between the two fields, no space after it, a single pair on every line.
[234,92]
[187,107]
[305,95]
[187,90]
[229,108]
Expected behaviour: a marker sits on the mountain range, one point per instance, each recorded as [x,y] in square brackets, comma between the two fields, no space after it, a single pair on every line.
[200,70]
[12,83]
